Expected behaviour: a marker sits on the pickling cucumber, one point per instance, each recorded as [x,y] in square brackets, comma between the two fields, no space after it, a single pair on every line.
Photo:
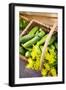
[25,38]
[33,40]
[21,50]
[33,30]
[42,40]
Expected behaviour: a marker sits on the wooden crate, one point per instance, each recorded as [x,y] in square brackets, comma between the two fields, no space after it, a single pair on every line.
[33,23]
[45,21]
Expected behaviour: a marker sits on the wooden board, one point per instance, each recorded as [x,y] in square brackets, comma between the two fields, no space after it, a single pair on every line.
[45,18]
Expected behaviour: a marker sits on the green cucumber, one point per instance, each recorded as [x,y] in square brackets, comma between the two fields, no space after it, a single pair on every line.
[29,49]
[52,40]
[56,45]
[41,34]
[22,24]
[25,38]
[21,50]
[37,32]
[33,40]
[33,30]
[42,40]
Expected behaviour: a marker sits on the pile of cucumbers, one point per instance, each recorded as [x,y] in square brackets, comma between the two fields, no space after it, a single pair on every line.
[22,24]
[31,46]
[34,37]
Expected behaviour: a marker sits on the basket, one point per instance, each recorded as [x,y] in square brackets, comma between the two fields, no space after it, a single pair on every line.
[46,28]
[33,23]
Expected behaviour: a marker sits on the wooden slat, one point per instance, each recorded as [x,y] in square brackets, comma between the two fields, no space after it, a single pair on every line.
[23,58]
[44,18]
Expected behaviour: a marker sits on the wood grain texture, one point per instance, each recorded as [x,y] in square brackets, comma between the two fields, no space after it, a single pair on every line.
[45,18]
